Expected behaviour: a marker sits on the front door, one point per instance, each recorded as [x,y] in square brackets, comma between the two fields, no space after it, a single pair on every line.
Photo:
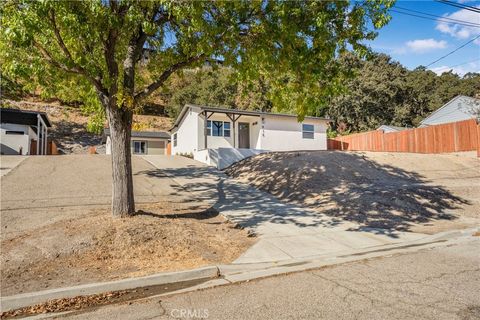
[243,135]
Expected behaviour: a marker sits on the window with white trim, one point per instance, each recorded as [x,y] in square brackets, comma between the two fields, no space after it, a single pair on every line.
[139,147]
[218,128]
[308,131]
[175,139]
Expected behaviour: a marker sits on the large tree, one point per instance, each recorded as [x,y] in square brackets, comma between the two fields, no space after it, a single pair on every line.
[107,43]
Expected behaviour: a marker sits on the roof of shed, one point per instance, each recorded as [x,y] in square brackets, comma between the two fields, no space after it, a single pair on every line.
[143,134]
[25,117]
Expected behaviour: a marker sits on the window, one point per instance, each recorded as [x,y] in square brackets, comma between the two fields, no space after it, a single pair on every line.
[307,131]
[175,139]
[139,147]
[209,128]
[226,129]
[218,128]
[14,132]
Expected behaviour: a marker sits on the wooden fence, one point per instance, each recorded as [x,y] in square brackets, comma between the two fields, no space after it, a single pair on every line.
[449,137]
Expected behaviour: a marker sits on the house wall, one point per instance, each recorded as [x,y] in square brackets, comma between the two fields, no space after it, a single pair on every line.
[187,133]
[280,133]
[155,146]
[458,109]
[11,143]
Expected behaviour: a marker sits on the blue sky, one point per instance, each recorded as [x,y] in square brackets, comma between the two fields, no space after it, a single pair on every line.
[415,41]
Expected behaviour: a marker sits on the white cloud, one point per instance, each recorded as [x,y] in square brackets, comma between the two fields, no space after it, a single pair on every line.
[461,31]
[460,70]
[425,45]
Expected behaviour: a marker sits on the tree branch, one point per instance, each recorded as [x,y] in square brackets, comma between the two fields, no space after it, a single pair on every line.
[75,70]
[164,76]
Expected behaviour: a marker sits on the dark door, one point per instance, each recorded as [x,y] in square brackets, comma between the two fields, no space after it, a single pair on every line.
[243,135]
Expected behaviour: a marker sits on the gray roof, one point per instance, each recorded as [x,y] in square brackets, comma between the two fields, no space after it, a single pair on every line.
[235,111]
[458,109]
[389,128]
[143,134]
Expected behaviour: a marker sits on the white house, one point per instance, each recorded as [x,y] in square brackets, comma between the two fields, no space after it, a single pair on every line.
[458,109]
[20,130]
[220,137]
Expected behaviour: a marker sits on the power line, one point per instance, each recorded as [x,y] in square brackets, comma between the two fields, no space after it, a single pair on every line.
[440,20]
[461,64]
[463,45]
[458,5]
[443,18]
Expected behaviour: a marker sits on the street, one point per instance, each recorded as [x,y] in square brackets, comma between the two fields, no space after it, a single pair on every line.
[439,283]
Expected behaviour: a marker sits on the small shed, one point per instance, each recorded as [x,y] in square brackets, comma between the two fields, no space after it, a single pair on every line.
[142,142]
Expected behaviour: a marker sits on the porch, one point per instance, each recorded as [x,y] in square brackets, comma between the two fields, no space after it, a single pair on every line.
[225,128]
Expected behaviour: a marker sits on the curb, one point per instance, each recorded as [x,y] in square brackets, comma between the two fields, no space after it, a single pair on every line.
[235,273]
[29,299]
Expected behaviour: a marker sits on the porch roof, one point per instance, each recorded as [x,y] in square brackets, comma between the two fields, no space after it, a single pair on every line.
[236,112]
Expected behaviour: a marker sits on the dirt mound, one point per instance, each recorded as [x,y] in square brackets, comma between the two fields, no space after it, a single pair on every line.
[425,193]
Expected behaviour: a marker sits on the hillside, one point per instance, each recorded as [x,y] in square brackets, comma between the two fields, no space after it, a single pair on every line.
[69,125]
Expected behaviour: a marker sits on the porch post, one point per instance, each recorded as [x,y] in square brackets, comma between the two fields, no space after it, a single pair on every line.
[46,140]
[38,134]
[205,128]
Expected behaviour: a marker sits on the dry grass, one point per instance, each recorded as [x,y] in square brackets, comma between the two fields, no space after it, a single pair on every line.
[96,247]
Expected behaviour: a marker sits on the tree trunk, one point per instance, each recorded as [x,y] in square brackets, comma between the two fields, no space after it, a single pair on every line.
[120,121]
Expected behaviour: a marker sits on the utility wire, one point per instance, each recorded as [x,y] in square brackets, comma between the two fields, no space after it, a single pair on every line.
[463,45]
[439,20]
[443,18]
[461,64]
[458,5]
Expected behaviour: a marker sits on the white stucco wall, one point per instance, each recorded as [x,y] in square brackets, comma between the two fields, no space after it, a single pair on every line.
[11,143]
[280,133]
[154,145]
[187,133]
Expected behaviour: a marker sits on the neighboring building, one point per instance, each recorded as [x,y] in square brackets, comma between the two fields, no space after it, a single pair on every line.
[142,142]
[458,109]
[387,128]
[221,137]
[20,130]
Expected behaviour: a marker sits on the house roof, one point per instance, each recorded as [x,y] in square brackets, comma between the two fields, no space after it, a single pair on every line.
[392,128]
[458,109]
[235,111]
[25,117]
[142,134]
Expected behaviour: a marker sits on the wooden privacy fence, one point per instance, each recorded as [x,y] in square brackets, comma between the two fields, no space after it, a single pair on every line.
[449,137]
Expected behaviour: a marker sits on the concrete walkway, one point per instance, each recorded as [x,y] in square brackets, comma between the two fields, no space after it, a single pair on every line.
[284,231]
[8,163]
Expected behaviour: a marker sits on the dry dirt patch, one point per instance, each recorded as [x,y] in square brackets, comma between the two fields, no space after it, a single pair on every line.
[94,247]
[394,191]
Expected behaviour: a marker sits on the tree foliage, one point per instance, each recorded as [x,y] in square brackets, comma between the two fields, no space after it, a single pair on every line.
[385,92]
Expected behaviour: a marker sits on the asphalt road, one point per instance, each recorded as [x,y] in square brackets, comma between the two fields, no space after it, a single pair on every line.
[440,283]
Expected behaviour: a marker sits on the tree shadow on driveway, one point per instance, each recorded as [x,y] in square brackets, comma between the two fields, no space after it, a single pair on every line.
[319,189]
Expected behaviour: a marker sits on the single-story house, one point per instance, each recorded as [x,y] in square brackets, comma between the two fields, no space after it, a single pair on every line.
[23,132]
[220,137]
[142,142]
[388,128]
[458,109]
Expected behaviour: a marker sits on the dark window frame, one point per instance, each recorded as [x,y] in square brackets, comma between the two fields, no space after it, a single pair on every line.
[144,142]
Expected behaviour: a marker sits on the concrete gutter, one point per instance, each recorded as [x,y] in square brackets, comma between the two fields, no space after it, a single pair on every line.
[235,273]
[29,299]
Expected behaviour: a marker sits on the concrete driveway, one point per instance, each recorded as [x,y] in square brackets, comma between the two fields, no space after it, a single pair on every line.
[284,231]
[75,184]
